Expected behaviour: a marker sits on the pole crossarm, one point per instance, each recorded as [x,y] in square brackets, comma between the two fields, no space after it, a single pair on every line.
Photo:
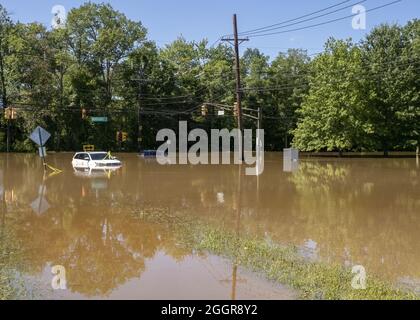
[218,105]
[232,40]
[249,116]
[230,108]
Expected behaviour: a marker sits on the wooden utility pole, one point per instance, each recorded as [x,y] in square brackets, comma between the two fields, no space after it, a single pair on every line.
[139,124]
[236,43]
[238,73]
[140,80]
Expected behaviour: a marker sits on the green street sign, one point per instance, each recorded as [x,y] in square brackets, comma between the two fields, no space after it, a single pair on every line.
[99,119]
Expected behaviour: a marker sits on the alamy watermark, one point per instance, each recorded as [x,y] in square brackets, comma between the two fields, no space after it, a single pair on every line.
[59,281]
[359,19]
[59,16]
[199,153]
[359,280]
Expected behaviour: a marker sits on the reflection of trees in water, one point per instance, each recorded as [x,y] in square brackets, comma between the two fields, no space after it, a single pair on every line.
[100,244]
[100,249]
[363,212]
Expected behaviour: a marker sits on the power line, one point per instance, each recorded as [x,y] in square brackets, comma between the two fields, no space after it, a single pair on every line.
[294,19]
[308,85]
[325,22]
[303,74]
[306,20]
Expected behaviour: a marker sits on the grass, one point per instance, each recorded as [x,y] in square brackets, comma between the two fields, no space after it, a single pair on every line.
[312,280]
[10,286]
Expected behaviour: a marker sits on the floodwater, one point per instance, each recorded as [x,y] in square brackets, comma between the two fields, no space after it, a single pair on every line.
[351,211]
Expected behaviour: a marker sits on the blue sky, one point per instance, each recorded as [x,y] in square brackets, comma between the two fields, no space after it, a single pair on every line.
[197,19]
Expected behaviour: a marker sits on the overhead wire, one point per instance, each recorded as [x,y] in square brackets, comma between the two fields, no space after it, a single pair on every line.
[306,20]
[294,19]
[324,22]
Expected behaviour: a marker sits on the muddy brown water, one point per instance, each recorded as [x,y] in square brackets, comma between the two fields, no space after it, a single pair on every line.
[349,211]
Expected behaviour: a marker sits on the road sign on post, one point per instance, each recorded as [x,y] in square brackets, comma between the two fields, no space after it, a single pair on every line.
[40,136]
[42,152]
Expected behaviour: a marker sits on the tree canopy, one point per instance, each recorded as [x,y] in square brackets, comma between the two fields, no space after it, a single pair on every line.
[350,97]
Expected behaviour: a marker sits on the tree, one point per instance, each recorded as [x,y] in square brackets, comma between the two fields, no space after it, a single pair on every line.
[31,87]
[99,39]
[388,76]
[331,116]
[289,74]
[411,95]
[5,30]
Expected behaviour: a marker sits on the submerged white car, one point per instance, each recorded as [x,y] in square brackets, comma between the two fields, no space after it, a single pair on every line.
[95,160]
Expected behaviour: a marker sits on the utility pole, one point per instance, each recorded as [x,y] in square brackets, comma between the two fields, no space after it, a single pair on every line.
[139,124]
[238,73]
[236,43]
[140,80]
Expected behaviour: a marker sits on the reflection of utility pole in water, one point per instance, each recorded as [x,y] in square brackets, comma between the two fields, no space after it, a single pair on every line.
[238,225]
[259,150]
[3,206]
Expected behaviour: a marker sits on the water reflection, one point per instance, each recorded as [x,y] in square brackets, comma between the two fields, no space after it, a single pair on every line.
[290,165]
[40,204]
[349,211]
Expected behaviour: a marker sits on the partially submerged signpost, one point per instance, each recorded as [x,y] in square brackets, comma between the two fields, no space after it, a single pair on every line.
[40,136]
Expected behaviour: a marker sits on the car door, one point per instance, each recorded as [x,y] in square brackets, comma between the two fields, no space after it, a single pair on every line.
[84,160]
[76,160]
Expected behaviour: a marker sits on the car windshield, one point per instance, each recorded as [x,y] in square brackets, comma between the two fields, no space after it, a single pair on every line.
[98,156]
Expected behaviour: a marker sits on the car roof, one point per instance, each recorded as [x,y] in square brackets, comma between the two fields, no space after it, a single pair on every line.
[91,152]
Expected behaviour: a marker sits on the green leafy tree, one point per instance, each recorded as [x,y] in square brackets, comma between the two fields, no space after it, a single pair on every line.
[331,116]
[388,75]
[410,115]
[289,74]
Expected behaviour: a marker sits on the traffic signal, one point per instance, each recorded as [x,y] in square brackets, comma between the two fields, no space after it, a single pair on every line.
[235,109]
[84,113]
[10,113]
[7,113]
[204,110]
